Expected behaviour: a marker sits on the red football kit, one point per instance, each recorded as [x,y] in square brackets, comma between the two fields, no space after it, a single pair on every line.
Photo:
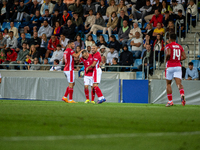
[87,63]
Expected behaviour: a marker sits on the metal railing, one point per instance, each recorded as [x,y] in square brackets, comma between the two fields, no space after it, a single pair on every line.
[187,54]
[197,1]
[165,42]
[143,77]
[195,36]
[186,22]
[179,38]
[154,58]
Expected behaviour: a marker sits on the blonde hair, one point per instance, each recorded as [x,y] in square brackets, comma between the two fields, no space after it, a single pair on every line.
[45,37]
[32,46]
[110,2]
[150,25]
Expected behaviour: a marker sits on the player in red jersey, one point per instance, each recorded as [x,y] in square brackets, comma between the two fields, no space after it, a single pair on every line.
[96,74]
[174,55]
[68,58]
[87,60]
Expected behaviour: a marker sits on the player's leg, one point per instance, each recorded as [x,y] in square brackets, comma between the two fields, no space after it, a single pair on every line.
[71,86]
[86,90]
[169,77]
[92,95]
[66,73]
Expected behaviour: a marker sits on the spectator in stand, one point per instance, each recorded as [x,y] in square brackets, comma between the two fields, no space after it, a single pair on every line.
[55,66]
[33,53]
[65,17]
[170,29]
[156,18]
[33,9]
[156,6]
[112,8]
[144,11]
[158,30]
[45,63]
[63,42]
[99,25]
[165,7]
[14,30]
[21,57]
[60,6]
[57,30]
[126,58]
[120,20]
[47,16]
[101,41]
[77,8]
[68,30]
[46,28]
[13,9]
[159,47]
[36,65]
[56,17]
[5,33]
[149,54]
[146,41]
[191,72]
[149,31]
[43,46]
[4,11]
[77,50]
[87,7]
[47,5]
[58,54]
[78,22]
[34,23]
[90,20]
[136,44]
[89,49]
[192,10]
[11,41]
[103,50]
[22,40]
[53,42]
[89,41]
[166,19]
[3,42]
[114,43]
[11,56]
[114,63]
[137,5]
[35,41]
[112,24]
[103,63]
[176,8]
[181,19]
[123,7]
[102,9]
[133,31]
[79,42]
[112,54]
[123,33]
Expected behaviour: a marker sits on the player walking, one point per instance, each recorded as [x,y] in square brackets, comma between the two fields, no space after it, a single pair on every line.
[96,74]
[87,60]
[174,54]
[68,58]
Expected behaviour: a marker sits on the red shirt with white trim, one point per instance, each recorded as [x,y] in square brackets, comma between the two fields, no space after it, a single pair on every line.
[69,59]
[87,63]
[97,58]
[175,57]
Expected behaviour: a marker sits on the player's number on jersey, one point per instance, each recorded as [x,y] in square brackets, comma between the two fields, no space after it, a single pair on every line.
[88,63]
[176,53]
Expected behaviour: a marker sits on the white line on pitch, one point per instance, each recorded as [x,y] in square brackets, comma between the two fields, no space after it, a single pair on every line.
[94,136]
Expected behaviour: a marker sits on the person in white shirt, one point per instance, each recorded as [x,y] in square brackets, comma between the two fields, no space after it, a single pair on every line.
[177,7]
[179,2]
[58,54]
[55,66]
[63,41]
[112,54]
[136,44]
[192,10]
[14,30]
[11,41]
[134,30]
[103,50]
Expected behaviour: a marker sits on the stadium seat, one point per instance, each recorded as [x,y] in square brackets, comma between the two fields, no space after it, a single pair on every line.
[139,75]
[116,36]
[140,25]
[94,37]
[17,24]
[145,25]
[195,63]
[137,63]
[5,25]
[105,37]
[70,12]
[28,35]
[129,48]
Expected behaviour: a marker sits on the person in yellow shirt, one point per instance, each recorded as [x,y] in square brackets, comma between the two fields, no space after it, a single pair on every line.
[158,30]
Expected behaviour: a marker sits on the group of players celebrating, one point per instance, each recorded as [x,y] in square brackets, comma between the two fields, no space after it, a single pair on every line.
[174,55]
[92,70]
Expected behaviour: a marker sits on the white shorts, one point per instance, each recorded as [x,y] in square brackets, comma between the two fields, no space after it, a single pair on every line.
[173,72]
[88,80]
[70,76]
[97,75]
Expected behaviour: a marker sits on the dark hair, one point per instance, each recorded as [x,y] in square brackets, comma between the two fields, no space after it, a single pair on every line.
[46,59]
[114,13]
[62,34]
[172,36]
[56,10]
[125,46]
[190,63]
[58,45]
[47,10]
[112,36]
[116,59]
[158,10]
[180,11]
[57,61]
[99,14]
[147,0]
[45,20]
[161,38]
[24,43]
[57,22]
[80,39]
[6,29]
[70,41]
[167,12]
[21,1]
[11,32]
[90,10]
[9,50]
[103,38]
[84,51]
[90,36]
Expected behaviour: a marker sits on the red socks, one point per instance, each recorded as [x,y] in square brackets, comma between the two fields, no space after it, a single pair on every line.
[67,91]
[71,93]
[98,91]
[169,96]
[87,94]
[181,91]
[93,94]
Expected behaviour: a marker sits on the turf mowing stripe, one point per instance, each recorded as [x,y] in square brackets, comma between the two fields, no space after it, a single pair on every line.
[95,136]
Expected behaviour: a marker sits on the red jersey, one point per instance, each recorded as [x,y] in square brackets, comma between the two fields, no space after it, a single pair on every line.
[87,63]
[175,57]
[97,58]
[69,59]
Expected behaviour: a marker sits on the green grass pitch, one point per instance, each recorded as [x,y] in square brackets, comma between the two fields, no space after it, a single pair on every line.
[50,125]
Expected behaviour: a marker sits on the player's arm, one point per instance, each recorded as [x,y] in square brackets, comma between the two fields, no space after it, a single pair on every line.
[168,53]
[183,55]
[91,66]
[77,54]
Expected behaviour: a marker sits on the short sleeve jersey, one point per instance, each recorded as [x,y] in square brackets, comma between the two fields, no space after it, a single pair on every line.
[175,57]
[97,58]
[69,59]
[87,63]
